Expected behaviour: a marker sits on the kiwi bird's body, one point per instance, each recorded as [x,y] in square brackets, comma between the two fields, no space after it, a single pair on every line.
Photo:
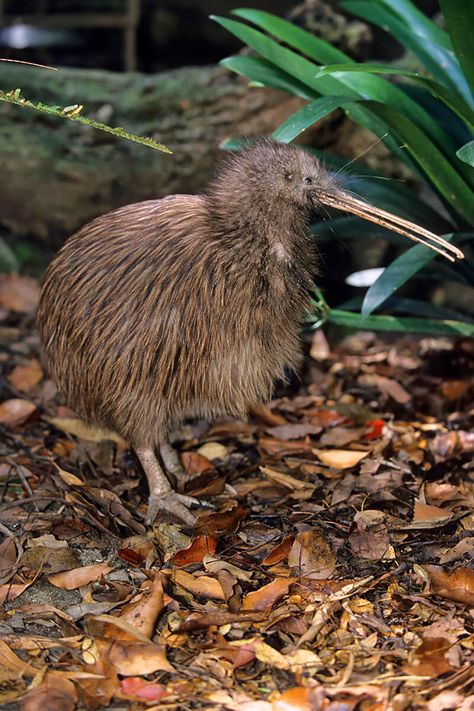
[179,307]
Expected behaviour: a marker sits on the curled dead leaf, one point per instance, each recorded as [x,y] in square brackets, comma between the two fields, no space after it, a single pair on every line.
[340,458]
[15,411]
[457,586]
[267,595]
[76,578]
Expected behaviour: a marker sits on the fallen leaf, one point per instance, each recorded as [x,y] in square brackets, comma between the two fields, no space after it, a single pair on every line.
[26,376]
[387,386]
[18,293]
[320,349]
[130,658]
[299,660]
[294,430]
[82,430]
[213,450]
[54,693]
[16,411]
[194,463]
[135,688]
[202,585]
[201,546]
[429,659]
[370,538]
[339,458]
[297,699]
[145,607]
[77,577]
[285,480]
[458,585]
[280,552]
[425,512]
[267,595]
[312,555]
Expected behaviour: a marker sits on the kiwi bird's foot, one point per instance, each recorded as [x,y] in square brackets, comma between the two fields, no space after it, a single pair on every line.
[170,502]
[162,496]
[173,465]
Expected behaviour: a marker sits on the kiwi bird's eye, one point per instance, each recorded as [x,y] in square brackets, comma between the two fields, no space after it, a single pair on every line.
[289,176]
[308,181]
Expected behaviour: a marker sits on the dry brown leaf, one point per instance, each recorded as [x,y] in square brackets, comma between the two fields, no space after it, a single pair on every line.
[387,386]
[82,430]
[10,591]
[267,595]
[458,585]
[425,512]
[201,546]
[194,463]
[143,611]
[285,480]
[299,660]
[15,411]
[429,659]
[339,458]
[202,585]
[312,555]
[26,376]
[10,661]
[280,552]
[135,688]
[370,538]
[18,293]
[294,430]
[54,693]
[213,450]
[131,658]
[279,446]
[299,698]
[76,578]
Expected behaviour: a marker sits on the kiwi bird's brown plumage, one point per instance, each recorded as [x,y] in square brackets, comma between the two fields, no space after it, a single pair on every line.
[188,305]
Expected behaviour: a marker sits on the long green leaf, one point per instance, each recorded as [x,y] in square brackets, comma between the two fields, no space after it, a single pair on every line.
[450,98]
[395,275]
[401,324]
[459,17]
[436,57]
[466,153]
[307,116]
[260,70]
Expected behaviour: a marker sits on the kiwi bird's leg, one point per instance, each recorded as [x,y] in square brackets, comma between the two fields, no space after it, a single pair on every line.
[173,465]
[162,496]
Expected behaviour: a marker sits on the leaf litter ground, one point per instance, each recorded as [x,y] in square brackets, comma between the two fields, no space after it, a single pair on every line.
[332,568]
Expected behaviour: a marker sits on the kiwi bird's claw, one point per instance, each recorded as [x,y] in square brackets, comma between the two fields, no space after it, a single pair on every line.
[171,502]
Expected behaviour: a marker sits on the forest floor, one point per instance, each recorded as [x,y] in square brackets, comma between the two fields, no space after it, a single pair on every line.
[332,569]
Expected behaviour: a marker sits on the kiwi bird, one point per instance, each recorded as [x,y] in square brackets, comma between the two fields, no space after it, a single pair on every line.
[192,305]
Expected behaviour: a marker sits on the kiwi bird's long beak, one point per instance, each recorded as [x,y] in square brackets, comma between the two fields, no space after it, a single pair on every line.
[343,201]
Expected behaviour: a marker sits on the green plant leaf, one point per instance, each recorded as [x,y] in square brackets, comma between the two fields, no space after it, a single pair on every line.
[260,70]
[450,98]
[401,324]
[306,117]
[459,17]
[466,153]
[438,57]
[397,273]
